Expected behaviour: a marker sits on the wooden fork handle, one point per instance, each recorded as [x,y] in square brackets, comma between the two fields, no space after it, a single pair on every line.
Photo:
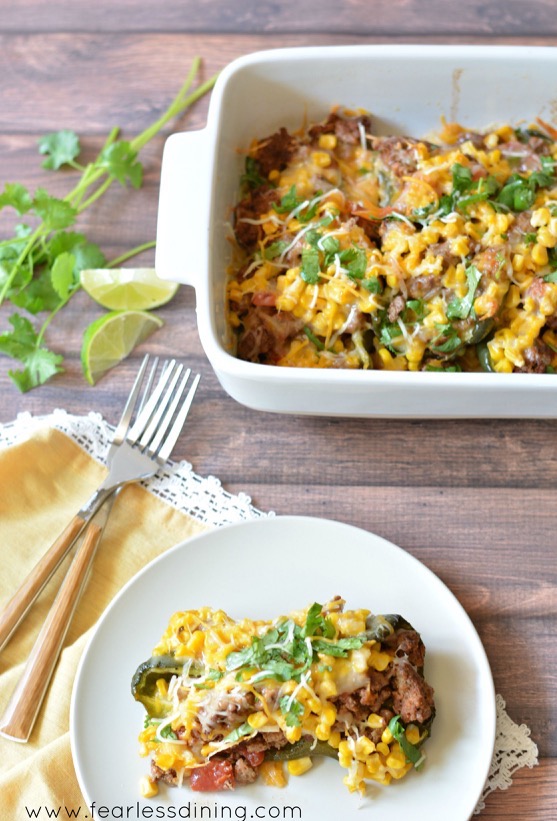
[21,712]
[20,603]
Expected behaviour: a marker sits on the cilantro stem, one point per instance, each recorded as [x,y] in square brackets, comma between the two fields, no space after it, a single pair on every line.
[133,253]
[17,264]
[95,196]
[52,314]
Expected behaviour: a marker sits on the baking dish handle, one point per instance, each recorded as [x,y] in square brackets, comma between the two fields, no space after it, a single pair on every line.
[183,222]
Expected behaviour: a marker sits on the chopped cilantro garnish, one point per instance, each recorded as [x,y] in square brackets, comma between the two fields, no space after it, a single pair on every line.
[412,753]
[310,269]
[552,277]
[291,710]
[450,335]
[168,732]
[530,238]
[373,285]
[317,624]
[287,651]
[312,338]
[275,249]
[288,202]
[251,177]
[461,308]
[239,732]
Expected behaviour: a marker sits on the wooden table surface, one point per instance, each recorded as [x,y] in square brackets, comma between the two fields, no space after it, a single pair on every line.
[473,500]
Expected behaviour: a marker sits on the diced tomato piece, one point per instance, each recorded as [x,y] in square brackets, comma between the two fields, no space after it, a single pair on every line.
[267,298]
[216,775]
[255,759]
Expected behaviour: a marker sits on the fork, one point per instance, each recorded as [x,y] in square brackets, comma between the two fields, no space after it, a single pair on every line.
[137,451]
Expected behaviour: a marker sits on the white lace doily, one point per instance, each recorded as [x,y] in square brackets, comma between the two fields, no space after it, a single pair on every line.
[205,500]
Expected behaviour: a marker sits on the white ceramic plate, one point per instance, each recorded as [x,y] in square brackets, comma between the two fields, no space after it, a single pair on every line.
[261,569]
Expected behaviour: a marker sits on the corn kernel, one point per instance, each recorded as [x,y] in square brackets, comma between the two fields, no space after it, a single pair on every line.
[328,715]
[540,216]
[165,760]
[373,763]
[323,731]
[387,736]
[539,254]
[162,686]
[293,734]
[299,766]
[344,748]
[379,661]
[491,141]
[195,644]
[328,141]
[546,238]
[395,761]
[272,773]
[365,746]
[412,733]
[375,721]
[257,720]
[553,226]
[328,689]
[334,739]
[274,174]
[321,159]
[148,787]
[383,748]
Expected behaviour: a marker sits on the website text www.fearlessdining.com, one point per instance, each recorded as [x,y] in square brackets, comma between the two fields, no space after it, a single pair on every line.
[190,810]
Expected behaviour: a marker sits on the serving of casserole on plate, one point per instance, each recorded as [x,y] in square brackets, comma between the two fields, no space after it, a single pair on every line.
[424,287]
[205,577]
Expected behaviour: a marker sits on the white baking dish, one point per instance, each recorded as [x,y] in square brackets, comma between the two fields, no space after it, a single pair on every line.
[407,89]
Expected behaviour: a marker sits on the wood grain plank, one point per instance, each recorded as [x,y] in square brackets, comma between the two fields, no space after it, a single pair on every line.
[531,797]
[91,82]
[382,17]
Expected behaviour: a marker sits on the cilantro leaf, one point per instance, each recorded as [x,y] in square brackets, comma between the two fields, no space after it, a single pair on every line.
[450,335]
[252,177]
[308,213]
[62,274]
[17,196]
[317,623]
[338,648]
[238,733]
[462,177]
[275,249]
[412,753]
[291,710]
[23,344]
[310,270]
[61,147]
[355,261]
[54,212]
[373,285]
[461,308]
[168,732]
[288,202]
[120,160]
[312,338]
[37,295]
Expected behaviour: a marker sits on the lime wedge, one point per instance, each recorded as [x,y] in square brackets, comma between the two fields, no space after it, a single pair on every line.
[111,337]
[127,289]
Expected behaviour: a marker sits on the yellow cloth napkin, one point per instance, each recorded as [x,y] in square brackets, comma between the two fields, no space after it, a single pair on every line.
[44,481]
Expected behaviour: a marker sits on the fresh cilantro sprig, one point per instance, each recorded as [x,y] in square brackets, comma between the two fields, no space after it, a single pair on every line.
[40,264]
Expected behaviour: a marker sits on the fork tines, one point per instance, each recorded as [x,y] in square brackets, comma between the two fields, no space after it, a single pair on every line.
[161,413]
